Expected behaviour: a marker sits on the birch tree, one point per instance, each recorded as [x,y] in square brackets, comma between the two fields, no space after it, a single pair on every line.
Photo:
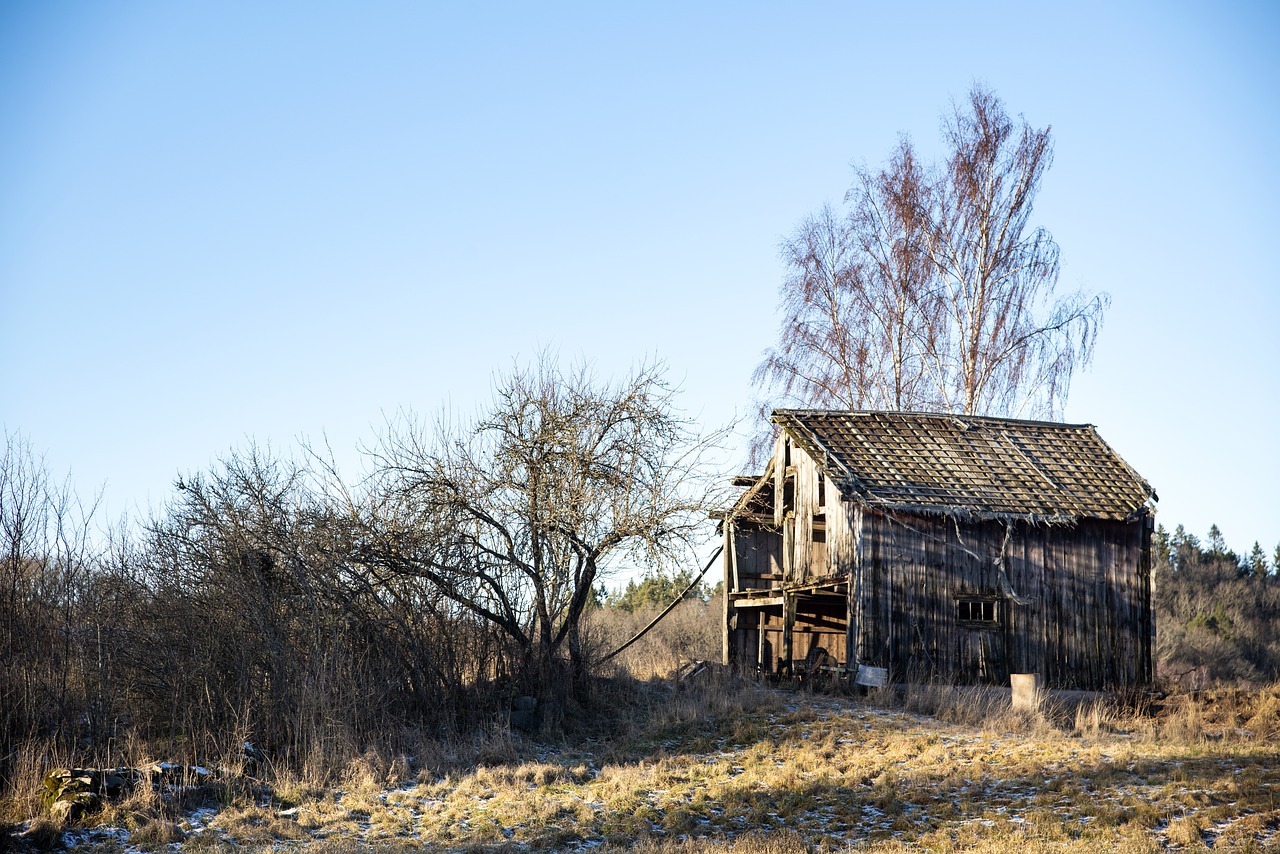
[1012,348]
[932,290]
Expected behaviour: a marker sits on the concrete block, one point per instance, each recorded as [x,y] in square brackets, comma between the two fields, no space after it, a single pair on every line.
[1026,694]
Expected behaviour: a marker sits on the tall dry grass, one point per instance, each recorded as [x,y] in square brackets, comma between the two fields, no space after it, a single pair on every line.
[691,632]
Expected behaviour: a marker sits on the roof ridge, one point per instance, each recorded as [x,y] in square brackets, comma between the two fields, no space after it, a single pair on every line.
[995,419]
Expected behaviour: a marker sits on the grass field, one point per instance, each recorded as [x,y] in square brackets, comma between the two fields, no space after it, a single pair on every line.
[760,770]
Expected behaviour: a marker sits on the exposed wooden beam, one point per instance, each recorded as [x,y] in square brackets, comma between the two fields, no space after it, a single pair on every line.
[758,601]
[763,519]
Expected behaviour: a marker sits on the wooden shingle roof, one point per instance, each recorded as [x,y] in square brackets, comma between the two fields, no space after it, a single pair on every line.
[970,466]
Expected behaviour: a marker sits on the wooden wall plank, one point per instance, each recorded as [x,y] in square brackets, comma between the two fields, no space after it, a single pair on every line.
[806,501]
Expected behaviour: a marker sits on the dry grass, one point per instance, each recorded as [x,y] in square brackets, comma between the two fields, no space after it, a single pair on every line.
[782,774]
[743,770]
[23,797]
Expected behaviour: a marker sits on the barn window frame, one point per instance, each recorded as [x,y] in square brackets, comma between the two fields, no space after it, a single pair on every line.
[979,612]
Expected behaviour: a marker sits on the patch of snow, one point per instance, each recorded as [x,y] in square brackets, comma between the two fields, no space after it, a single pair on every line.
[95,837]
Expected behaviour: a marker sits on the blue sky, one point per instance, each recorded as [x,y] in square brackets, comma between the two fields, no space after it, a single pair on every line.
[224,222]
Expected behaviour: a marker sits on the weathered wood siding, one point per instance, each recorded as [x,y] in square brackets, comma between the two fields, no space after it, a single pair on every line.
[758,553]
[804,509]
[802,545]
[1084,618]
[840,521]
[757,556]
[1073,603]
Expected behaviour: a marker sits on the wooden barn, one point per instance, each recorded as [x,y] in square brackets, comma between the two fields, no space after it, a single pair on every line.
[918,545]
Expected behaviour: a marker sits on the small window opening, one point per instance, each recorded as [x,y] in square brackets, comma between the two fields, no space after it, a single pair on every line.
[984,612]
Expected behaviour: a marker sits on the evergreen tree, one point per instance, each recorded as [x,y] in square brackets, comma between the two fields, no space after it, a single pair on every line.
[1180,545]
[1257,561]
[1217,545]
[657,589]
[1161,545]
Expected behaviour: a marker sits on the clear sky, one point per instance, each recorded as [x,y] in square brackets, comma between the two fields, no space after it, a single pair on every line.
[232,221]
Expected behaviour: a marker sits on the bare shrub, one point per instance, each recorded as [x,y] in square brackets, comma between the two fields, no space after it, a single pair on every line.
[233,618]
[49,652]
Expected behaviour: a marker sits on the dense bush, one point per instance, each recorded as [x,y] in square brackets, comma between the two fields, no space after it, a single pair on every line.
[233,615]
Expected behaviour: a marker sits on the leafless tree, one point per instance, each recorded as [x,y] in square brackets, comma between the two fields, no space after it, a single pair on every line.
[515,516]
[818,358]
[859,299]
[896,281]
[932,291]
[46,554]
[1012,347]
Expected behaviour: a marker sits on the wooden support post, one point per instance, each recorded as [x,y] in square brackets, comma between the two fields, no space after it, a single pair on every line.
[851,628]
[788,624]
[805,498]
[760,664]
[852,653]
[779,477]
[789,549]
[726,636]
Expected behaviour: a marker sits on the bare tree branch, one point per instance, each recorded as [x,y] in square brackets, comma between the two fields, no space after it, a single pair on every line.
[933,291]
[515,515]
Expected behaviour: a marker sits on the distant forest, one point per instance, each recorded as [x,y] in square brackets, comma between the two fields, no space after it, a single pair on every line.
[1217,612]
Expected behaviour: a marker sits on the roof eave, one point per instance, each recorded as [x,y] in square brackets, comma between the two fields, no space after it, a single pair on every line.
[969,514]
